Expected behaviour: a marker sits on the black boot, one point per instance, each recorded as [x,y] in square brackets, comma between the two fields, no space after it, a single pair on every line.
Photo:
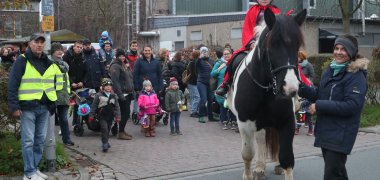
[222,90]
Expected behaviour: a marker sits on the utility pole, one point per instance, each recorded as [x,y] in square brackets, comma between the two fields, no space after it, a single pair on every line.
[47,24]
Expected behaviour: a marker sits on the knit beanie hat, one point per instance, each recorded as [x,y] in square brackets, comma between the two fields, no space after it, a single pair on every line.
[105,33]
[147,83]
[349,46]
[204,49]
[120,52]
[173,81]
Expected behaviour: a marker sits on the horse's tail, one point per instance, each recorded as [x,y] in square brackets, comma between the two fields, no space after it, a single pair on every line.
[272,142]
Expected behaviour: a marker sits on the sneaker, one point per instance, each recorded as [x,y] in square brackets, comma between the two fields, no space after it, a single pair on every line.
[233,126]
[60,133]
[225,127]
[297,131]
[194,115]
[123,136]
[105,147]
[306,126]
[33,177]
[201,120]
[42,175]
[179,133]
[222,91]
[310,132]
[69,143]
[173,133]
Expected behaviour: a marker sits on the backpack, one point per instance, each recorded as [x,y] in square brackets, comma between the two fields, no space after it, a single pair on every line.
[186,76]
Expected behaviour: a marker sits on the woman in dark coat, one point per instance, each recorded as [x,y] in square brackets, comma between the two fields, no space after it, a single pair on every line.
[122,78]
[338,102]
[177,67]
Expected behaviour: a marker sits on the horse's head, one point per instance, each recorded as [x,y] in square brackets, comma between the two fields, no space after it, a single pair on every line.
[278,48]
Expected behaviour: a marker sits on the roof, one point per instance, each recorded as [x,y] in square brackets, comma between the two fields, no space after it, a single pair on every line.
[62,35]
[189,20]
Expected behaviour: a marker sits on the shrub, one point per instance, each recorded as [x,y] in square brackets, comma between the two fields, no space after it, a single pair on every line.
[373,93]
[370,115]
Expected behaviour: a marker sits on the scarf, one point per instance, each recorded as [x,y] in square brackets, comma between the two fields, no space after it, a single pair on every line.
[337,68]
[63,66]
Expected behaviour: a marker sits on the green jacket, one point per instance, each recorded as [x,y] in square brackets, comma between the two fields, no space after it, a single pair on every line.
[172,98]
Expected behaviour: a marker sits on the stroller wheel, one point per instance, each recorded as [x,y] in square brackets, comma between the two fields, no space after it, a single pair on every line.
[78,130]
[134,118]
[114,129]
[165,120]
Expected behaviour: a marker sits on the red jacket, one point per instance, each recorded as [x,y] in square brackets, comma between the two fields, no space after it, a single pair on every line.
[248,30]
[132,59]
[303,78]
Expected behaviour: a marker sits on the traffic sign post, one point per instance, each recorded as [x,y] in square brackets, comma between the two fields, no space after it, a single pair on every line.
[47,25]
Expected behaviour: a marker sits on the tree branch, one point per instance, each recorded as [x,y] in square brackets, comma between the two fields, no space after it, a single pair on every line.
[357,7]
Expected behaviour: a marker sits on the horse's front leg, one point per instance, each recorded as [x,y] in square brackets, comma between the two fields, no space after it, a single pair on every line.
[246,130]
[286,156]
[260,154]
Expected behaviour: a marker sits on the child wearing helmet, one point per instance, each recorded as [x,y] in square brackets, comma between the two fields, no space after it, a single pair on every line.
[148,104]
[106,108]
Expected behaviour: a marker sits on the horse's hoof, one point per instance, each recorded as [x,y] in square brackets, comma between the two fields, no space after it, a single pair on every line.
[259,175]
[278,170]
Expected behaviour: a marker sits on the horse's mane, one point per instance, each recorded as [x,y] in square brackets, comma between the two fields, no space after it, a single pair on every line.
[285,30]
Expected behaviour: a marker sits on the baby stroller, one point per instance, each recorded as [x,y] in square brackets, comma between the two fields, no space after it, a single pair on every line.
[83,98]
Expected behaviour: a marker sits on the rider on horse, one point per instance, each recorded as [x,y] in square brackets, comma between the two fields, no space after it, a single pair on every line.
[254,17]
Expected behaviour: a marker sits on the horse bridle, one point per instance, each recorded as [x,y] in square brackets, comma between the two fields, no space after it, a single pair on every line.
[273,84]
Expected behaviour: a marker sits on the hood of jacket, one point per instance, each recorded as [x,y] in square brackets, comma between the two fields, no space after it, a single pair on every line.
[358,64]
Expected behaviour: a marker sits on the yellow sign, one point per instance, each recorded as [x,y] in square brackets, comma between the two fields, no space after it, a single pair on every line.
[47,23]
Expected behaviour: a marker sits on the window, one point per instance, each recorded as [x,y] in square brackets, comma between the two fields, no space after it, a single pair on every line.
[235,33]
[178,33]
[196,36]
[178,45]
[312,4]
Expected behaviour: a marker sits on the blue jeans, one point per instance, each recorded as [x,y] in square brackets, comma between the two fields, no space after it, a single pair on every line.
[34,124]
[194,98]
[206,96]
[174,121]
[63,122]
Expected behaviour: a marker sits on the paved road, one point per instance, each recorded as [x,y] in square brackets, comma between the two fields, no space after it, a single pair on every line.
[362,164]
[203,148]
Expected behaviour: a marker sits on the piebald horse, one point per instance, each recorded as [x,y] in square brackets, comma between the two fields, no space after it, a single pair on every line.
[265,84]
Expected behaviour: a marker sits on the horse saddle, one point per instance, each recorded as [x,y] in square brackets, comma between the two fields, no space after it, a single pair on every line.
[236,61]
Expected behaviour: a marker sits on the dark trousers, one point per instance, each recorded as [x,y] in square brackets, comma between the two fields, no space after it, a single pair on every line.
[63,122]
[105,126]
[125,110]
[335,165]
[206,96]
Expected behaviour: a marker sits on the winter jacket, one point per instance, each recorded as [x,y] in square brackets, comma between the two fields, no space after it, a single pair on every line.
[149,70]
[63,95]
[148,102]
[77,67]
[132,58]
[101,101]
[172,97]
[177,68]
[94,69]
[307,69]
[219,75]
[101,42]
[122,79]
[339,102]
[203,69]
[41,64]
[193,74]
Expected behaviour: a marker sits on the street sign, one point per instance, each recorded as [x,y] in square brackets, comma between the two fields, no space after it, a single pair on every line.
[47,23]
[47,8]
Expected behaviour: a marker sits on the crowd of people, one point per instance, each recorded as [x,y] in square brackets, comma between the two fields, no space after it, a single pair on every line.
[41,85]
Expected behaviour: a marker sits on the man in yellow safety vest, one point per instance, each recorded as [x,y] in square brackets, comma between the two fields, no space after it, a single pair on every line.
[32,86]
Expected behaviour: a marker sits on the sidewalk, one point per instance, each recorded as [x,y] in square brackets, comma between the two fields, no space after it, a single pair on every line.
[203,148]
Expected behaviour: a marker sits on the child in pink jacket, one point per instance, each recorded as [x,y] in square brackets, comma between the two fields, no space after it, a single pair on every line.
[148,104]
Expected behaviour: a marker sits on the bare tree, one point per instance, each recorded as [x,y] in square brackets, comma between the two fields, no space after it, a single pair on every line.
[347,13]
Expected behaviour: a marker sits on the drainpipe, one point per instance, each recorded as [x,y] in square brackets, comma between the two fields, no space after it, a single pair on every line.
[174,10]
[137,15]
[363,17]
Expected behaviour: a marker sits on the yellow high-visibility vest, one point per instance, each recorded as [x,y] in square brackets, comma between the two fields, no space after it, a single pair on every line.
[33,84]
